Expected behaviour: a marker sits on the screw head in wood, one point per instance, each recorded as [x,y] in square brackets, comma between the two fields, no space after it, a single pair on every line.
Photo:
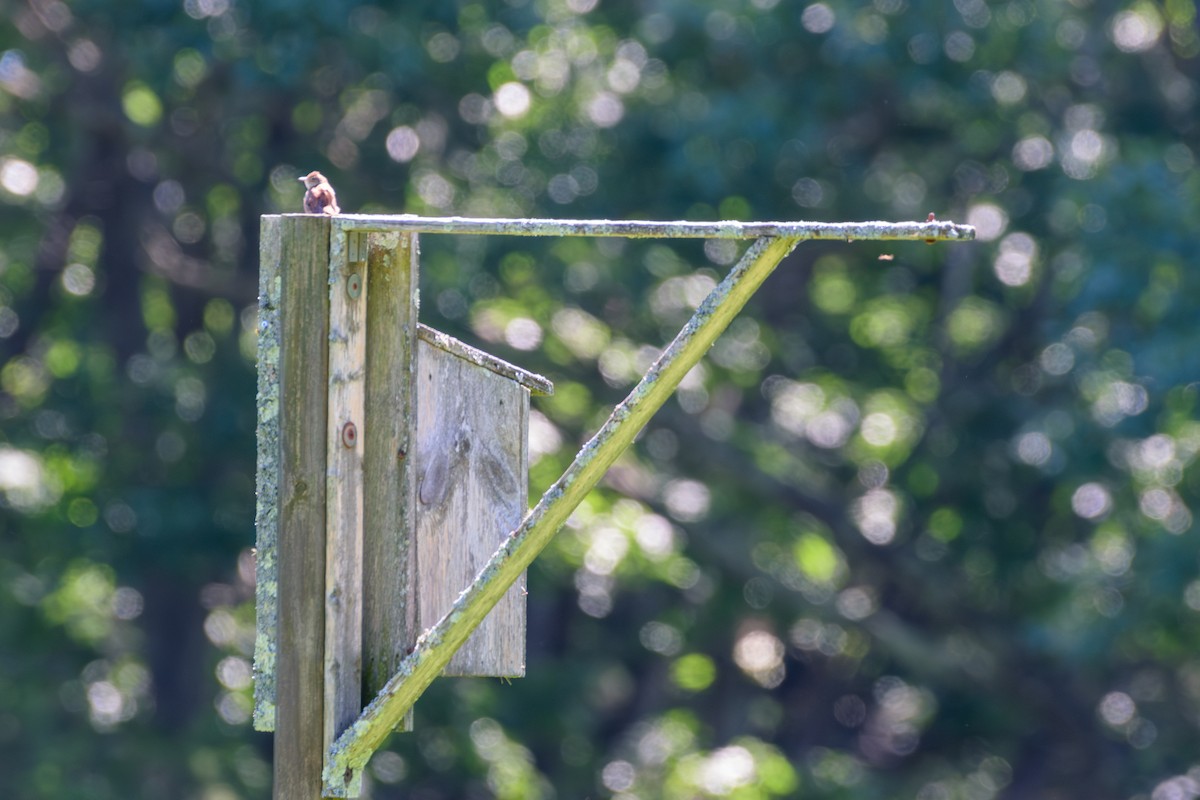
[354,285]
[349,435]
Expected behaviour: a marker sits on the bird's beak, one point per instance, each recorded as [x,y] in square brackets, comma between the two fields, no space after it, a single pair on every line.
[300,179]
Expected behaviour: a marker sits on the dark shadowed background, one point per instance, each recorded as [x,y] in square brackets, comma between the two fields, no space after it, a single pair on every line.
[920,526]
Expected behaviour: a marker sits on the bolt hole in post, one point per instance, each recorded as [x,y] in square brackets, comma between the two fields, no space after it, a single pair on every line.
[349,435]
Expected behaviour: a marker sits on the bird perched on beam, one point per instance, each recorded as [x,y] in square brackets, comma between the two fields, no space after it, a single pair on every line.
[319,199]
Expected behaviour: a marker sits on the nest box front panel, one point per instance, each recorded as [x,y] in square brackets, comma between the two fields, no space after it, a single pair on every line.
[472,465]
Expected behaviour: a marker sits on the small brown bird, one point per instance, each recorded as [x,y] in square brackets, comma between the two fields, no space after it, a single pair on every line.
[319,199]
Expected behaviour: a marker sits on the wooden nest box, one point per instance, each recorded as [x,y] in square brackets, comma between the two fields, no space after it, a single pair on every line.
[393,461]
[472,464]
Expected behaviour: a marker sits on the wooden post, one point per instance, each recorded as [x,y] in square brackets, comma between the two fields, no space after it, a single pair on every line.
[335,560]
[295,259]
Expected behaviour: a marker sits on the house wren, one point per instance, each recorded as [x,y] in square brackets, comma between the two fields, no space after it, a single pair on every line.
[319,199]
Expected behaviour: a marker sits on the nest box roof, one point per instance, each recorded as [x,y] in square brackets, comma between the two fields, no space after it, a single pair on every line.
[536,384]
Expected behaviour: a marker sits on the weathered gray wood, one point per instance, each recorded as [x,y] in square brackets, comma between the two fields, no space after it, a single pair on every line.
[876,230]
[389,553]
[472,465]
[266,516]
[536,384]
[345,431]
[297,250]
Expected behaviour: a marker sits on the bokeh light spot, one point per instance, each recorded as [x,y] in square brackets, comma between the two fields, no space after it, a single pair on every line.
[605,109]
[78,280]
[1034,448]
[875,515]
[1117,709]
[141,104]
[1008,88]
[1033,153]
[1091,501]
[818,18]
[989,219]
[760,655]
[402,144]
[686,500]
[1057,359]
[18,176]
[879,429]
[693,672]
[1137,29]
[1014,264]
[513,99]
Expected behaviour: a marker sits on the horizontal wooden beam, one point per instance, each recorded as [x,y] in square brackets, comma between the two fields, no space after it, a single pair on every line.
[933,230]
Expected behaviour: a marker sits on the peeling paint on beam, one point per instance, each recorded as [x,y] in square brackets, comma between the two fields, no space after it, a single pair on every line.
[938,230]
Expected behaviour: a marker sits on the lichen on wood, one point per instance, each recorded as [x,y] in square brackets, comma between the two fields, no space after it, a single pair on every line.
[535,383]
[301,260]
[876,230]
[266,517]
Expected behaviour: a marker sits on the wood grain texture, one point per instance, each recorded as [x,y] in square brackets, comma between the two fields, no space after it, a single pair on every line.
[297,250]
[938,230]
[389,612]
[536,384]
[345,430]
[472,466]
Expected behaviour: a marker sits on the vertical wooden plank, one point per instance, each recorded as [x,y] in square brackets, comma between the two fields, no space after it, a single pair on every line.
[266,515]
[472,465]
[297,250]
[389,610]
[344,434]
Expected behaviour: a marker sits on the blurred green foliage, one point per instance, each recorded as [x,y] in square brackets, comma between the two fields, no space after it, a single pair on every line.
[920,526]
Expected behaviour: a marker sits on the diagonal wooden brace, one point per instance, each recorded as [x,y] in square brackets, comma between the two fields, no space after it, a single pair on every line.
[350,753]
